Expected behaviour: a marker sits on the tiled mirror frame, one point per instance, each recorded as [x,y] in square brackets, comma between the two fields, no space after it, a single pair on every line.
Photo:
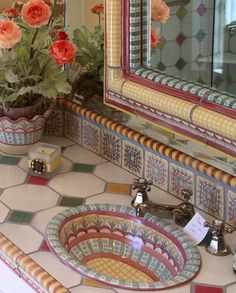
[190,109]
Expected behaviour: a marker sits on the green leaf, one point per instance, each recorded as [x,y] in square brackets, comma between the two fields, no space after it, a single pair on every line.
[11,76]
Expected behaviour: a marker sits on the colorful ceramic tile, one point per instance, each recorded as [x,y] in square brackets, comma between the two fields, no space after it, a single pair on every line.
[204,288]
[44,246]
[231,208]
[91,137]
[201,9]
[67,201]
[180,178]
[156,169]
[73,127]
[118,188]
[54,125]
[180,39]
[111,147]
[181,12]
[36,180]
[92,283]
[210,197]
[20,217]
[132,158]
[85,168]
[8,160]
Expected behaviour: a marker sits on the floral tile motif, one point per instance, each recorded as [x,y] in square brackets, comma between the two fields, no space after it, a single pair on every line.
[132,158]
[180,178]
[231,208]
[156,169]
[111,147]
[210,197]
[73,127]
[91,137]
[54,125]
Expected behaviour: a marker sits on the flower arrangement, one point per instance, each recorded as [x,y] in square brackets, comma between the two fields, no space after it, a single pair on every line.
[90,57]
[33,50]
[159,14]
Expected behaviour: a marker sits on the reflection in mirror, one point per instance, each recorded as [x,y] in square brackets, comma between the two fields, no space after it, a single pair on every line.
[186,44]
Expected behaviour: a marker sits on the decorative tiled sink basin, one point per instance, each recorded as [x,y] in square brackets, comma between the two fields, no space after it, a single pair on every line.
[110,244]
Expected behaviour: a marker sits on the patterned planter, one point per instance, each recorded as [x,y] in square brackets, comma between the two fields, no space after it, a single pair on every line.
[17,136]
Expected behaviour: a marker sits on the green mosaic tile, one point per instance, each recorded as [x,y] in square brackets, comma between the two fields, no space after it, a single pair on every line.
[71,201]
[161,66]
[180,64]
[85,168]
[20,217]
[7,160]
[200,35]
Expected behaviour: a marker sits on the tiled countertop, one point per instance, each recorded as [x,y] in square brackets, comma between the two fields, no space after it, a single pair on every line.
[28,203]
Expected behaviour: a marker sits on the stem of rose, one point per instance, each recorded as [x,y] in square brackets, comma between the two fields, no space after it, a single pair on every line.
[32,43]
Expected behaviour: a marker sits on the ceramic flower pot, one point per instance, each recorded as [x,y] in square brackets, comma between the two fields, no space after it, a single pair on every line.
[16,113]
[17,136]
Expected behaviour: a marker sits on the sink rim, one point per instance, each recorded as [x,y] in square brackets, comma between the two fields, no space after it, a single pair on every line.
[52,239]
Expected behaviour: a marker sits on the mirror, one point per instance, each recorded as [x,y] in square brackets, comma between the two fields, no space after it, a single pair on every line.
[184,43]
[195,118]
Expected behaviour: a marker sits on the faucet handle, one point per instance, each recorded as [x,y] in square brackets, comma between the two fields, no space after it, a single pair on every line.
[142,184]
[218,227]
[187,193]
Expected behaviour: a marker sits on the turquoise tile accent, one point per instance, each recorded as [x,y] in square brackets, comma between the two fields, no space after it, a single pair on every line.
[7,160]
[20,217]
[67,201]
[200,35]
[85,168]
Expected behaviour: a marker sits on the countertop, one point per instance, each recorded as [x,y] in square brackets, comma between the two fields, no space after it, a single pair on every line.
[28,203]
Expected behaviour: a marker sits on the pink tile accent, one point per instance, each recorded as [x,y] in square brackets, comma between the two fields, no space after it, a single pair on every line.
[201,9]
[36,180]
[44,246]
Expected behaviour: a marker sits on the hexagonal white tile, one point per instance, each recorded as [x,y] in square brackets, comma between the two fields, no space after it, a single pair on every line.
[187,28]
[110,198]
[41,219]
[3,212]
[171,53]
[25,237]
[79,154]
[77,184]
[171,28]
[58,140]
[113,173]
[64,274]
[11,175]
[29,197]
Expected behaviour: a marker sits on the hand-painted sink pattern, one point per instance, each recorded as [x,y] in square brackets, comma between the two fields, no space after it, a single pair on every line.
[110,244]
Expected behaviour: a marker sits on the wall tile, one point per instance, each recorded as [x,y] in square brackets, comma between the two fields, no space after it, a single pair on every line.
[54,125]
[91,137]
[231,208]
[156,169]
[132,158]
[73,127]
[180,178]
[111,147]
[210,197]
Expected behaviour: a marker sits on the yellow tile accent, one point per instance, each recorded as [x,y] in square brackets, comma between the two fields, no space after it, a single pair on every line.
[92,283]
[119,270]
[118,188]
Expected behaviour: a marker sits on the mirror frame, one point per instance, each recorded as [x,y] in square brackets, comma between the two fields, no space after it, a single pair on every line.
[189,109]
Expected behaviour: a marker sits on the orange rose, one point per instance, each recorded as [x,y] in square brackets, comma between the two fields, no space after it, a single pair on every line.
[62,52]
[10,34]
[154,38]
[10,12]
[97,9]
[35,13]
[160,11]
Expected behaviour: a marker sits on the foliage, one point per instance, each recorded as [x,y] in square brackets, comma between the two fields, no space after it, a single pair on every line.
[28,71]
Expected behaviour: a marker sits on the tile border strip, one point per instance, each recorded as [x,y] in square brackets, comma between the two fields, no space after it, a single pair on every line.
[153,144]
[29,268]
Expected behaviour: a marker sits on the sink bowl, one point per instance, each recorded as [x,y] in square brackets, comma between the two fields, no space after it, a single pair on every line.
[108,243]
